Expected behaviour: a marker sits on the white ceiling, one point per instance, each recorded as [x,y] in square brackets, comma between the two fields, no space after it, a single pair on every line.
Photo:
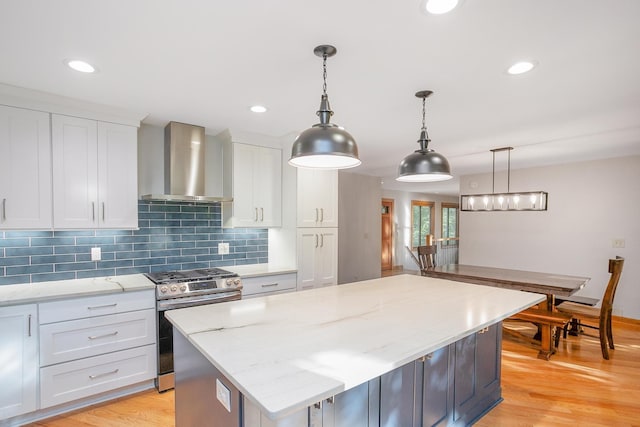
[205,62]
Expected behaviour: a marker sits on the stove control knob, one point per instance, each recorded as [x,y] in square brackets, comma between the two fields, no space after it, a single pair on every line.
[183,288]
[229,282]
[236,282]
[174,288]
[163,289]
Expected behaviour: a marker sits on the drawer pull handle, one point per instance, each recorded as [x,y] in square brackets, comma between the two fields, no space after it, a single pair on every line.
[93,377]
[4,209]
[95,307]
[321,214]
[95,337]
[269,285]
[483,330]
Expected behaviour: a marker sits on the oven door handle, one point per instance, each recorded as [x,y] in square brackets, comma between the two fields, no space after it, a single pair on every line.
[171,304]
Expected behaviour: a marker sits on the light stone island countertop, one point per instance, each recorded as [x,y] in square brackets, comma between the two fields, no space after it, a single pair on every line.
[286,352]
[257,270]
[46,291]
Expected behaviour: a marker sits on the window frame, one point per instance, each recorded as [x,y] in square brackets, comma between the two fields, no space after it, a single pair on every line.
[432,219]
[444,206]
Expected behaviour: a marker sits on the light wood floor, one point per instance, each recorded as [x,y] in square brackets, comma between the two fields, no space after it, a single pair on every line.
[575,388]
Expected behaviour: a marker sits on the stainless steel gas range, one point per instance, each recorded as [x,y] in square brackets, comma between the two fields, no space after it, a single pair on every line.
[187,288]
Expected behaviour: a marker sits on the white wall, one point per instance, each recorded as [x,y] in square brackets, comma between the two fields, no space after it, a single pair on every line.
[402,222]
[360,222]
[590,203]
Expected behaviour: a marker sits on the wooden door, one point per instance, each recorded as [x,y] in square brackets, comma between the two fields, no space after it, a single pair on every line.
[387,234]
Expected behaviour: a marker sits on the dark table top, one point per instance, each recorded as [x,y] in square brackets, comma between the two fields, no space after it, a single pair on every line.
[531,281]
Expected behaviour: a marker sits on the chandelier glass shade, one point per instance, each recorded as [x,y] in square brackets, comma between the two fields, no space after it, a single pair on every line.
[508,201]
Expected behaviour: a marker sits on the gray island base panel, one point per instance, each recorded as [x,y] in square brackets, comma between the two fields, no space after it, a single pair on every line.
[398,351]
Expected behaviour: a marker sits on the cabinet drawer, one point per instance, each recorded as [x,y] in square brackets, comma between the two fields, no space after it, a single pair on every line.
[268,284]
[81,378]
[79,308]
[75,339]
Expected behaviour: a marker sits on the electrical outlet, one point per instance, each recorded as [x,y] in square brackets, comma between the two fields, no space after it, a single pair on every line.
[96,254]
[223,248]
[617,243]
[223,394]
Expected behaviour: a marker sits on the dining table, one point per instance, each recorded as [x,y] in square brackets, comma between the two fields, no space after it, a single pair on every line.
[549,284]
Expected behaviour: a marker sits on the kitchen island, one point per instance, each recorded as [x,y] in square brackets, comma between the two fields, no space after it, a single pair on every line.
[381,352]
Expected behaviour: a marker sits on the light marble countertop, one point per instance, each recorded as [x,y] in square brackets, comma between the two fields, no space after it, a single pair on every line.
[257,270]
[46,291]
[286,352]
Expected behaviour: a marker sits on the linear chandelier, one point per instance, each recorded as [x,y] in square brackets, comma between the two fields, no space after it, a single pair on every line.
[522,201]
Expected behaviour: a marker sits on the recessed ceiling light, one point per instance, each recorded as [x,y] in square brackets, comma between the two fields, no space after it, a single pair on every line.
[83,67]
[521,67]
[258,109]
[438,7]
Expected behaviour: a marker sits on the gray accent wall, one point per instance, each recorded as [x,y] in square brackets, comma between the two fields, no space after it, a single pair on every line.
[360,222]
[591,204]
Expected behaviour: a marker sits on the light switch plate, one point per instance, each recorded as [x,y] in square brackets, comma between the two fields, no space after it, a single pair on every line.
[617,243]
[96,254]
[223,248]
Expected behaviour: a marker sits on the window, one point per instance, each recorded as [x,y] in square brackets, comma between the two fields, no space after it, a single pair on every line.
[421,222]
[449,223]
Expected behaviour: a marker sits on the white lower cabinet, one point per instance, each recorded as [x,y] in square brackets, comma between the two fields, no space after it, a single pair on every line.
[96,344]
[74,380]
[75,339]
[268,285]
[18,360]
[317,257]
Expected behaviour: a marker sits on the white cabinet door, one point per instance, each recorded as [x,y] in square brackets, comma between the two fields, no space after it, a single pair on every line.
[317,198]
[317,257]
[117,175]
[18,360]
[75,181]
[327,272]
[256,187]
[25,169]
[268,186]
[94,174]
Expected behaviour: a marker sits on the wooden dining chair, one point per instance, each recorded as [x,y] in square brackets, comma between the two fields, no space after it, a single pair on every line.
[427,257]
[582,313]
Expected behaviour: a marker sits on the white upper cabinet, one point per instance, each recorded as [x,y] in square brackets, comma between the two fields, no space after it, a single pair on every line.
[255,183]
[118,175]
[94,174]
[25,169]
[317,198]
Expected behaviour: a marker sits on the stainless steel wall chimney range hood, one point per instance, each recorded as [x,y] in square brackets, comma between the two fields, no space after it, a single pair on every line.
[184,165]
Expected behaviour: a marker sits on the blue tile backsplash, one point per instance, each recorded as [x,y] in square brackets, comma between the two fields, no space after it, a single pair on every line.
[172,236]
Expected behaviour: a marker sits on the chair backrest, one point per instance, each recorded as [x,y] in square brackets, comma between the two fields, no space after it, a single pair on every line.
[415,259]
[615,268]
[427,256]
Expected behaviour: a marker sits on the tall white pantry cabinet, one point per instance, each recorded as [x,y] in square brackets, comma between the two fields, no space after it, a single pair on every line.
[317,232]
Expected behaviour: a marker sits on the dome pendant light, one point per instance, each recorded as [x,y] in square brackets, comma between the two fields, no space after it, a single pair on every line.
[424,165]
[324,145]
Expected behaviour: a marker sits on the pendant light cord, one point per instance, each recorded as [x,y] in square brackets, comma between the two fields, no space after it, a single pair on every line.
[324,74]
